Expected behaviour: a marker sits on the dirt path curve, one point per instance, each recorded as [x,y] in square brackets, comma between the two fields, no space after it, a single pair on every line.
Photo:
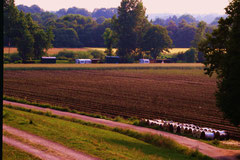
[28,149]
[54,150]
[211,151]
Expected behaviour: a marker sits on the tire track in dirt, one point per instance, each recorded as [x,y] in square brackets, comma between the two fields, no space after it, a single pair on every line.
[56,151]
[211,151]
[29,149]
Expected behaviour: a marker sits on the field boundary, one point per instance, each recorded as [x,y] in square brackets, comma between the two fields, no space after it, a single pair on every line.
[96,68]
[135,66]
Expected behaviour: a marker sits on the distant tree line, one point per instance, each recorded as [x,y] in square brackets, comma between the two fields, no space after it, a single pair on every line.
[126,28]
[76,27]
[97,13]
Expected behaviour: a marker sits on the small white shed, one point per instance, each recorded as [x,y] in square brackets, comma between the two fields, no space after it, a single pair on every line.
[83,61]
[144,61]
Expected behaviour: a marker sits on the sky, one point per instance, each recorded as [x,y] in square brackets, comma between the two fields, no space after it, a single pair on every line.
[152,6]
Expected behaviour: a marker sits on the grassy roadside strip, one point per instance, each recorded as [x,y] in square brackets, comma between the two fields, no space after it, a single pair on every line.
[31,121]
[131,120]
[11,153]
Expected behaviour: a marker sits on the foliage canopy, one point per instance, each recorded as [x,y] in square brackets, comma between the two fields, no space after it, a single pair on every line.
[222,53]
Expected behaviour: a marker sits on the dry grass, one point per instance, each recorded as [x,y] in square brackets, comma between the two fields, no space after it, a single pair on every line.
[104,66]
[176,50]
[54,51]
[10,50]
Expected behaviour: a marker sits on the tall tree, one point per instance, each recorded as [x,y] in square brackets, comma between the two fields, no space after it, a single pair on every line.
[24,38]
[67,37]
[129,26]
[30,39]
[156,40]
[222,52]
[109,40]
[11,14]
[199,34]
[185,34]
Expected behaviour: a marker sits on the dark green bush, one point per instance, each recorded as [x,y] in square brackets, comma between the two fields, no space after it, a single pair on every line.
[71,55]
[97,54]
[12,58]
[65,54]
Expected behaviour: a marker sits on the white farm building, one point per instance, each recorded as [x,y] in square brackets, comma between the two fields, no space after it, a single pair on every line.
[83,61]
[144,61]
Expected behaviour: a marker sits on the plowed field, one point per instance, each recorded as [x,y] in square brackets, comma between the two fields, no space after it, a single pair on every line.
[179,97]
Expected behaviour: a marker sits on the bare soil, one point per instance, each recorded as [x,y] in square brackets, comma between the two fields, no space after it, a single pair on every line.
[181,98]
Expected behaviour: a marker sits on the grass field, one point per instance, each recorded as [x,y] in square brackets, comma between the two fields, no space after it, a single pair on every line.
[176,51]
[86,137]
[12,153]
[54,51]
[102,66]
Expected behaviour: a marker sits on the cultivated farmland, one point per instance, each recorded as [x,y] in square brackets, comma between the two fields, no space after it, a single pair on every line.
[164,94]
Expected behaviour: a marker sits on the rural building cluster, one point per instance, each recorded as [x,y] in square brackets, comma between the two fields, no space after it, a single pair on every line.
[109,59]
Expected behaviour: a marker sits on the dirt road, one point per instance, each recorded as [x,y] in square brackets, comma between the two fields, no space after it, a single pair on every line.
[54,150]
[211,151]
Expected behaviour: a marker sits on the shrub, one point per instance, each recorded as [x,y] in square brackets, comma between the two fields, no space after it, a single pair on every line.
[83,55]
[191,55]
[12,58]
[97,54]
[19,61]
[215,142]
[180,57]
[70,55]
[65,54]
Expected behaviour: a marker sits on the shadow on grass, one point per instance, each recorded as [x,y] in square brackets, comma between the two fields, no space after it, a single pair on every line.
[150,150]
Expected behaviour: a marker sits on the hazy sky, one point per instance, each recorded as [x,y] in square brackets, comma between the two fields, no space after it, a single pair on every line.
[153,6]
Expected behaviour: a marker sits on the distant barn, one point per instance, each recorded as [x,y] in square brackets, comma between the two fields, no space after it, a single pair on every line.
[144,61]
[112,59]
[83,61]
[48,60]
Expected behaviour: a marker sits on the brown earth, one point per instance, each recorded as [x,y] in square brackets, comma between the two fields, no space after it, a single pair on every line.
[211,151]
[182,98]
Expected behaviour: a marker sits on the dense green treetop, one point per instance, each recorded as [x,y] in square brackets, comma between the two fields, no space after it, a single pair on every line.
[156,40]
[222,53]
